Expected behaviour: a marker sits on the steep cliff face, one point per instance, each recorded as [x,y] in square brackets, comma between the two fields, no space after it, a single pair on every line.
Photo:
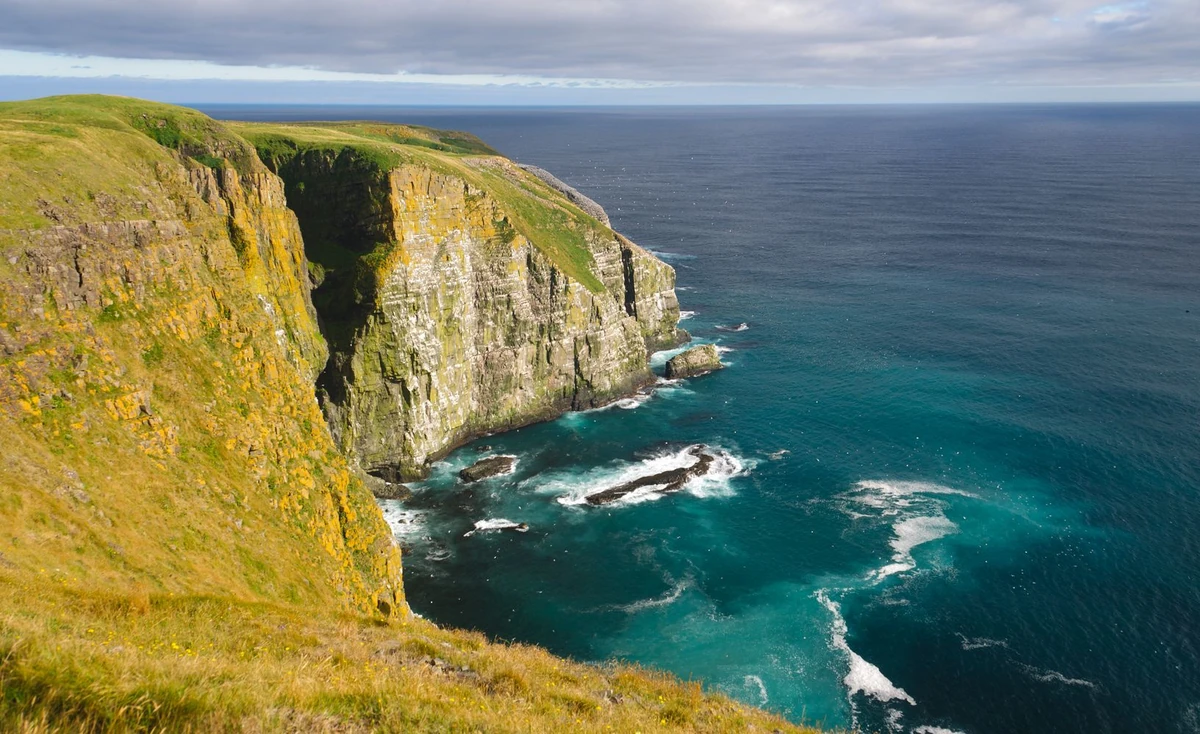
[157,353]
[463,296]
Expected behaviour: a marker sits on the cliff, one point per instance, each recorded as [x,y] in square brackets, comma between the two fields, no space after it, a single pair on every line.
[183,546]
[462,295]
[157,352]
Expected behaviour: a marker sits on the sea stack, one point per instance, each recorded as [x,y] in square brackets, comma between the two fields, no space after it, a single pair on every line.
[699,360]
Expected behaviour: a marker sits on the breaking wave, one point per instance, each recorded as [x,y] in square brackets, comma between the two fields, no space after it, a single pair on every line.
[737,327]
[573,488]
[500,523]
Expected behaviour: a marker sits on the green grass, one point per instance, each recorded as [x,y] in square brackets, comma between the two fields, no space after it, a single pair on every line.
[542,215]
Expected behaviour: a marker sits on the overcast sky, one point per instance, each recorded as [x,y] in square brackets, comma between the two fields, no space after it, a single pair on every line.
[604,51]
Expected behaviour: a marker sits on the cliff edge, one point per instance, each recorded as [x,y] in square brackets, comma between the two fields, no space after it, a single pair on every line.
[183,546]
[461,294]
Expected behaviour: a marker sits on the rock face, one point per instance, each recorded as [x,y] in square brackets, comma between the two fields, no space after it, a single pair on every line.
[668,481]
[158,348]
[489,467]
[479,300]
[699,360]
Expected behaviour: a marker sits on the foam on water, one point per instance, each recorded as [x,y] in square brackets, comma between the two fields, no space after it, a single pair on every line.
[669,597]
[659,359]
[1053,676]
[573,488]
[671,256]
[979,643]
[500,523]
[755,681]
[910,533]
[863,677]
[738,327]
[685,315]
[406,524]
[934,730]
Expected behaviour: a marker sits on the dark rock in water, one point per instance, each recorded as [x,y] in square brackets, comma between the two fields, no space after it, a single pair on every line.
[390,473]
[489,467]
[386,490]
[699,360]
[483,449]
[671,480]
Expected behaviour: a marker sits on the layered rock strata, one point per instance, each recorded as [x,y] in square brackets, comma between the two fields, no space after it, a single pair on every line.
[470,299]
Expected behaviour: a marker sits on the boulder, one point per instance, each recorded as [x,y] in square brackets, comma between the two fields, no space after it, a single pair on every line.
[699,360]
[489,467]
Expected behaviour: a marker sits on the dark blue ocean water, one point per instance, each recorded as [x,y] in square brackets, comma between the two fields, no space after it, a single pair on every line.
[960,485]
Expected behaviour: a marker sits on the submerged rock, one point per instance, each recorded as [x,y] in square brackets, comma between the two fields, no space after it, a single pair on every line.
[489,467]
[671,480]
[699,360]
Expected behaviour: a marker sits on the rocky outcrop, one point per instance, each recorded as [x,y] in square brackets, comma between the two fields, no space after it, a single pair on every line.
[665,482]
[699,360]
[477,301]
[490,467]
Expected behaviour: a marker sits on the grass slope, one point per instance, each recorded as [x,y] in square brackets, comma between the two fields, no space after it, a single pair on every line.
[82,660]
[181,546]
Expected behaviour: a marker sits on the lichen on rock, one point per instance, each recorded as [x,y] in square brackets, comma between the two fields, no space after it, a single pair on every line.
[699,360]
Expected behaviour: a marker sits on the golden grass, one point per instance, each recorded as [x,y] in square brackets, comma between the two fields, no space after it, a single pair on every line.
[84,660]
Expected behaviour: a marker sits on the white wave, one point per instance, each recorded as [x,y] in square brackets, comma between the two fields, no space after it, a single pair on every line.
[500,523]
[863,677]
[777,455]
[685,315]
[934,730]
[1053,676]
[724,350]
[754,680]
[659,359]
[574,488]
[910,533]
[979,643]
[406,524]
[739,327]
[632,402]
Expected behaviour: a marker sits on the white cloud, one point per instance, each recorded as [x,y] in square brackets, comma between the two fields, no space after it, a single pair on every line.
[616,43]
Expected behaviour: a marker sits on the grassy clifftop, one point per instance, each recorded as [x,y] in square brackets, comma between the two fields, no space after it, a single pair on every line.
[182,546]
[364,153]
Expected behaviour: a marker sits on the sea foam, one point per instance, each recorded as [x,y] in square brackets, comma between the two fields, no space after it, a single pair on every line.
[573,488]
[500,523]
[863,677]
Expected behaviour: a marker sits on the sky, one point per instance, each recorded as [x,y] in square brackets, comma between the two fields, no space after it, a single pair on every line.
[611,52]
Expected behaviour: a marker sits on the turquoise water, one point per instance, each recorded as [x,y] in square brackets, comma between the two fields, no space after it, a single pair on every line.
[960,431]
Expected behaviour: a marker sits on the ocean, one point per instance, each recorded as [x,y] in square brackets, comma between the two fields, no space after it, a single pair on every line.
[958,486]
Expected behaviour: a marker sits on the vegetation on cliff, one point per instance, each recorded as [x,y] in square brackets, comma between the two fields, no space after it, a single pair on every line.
[184,546]
[460,293]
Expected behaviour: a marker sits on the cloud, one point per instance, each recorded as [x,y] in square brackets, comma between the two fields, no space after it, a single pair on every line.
[793,42]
